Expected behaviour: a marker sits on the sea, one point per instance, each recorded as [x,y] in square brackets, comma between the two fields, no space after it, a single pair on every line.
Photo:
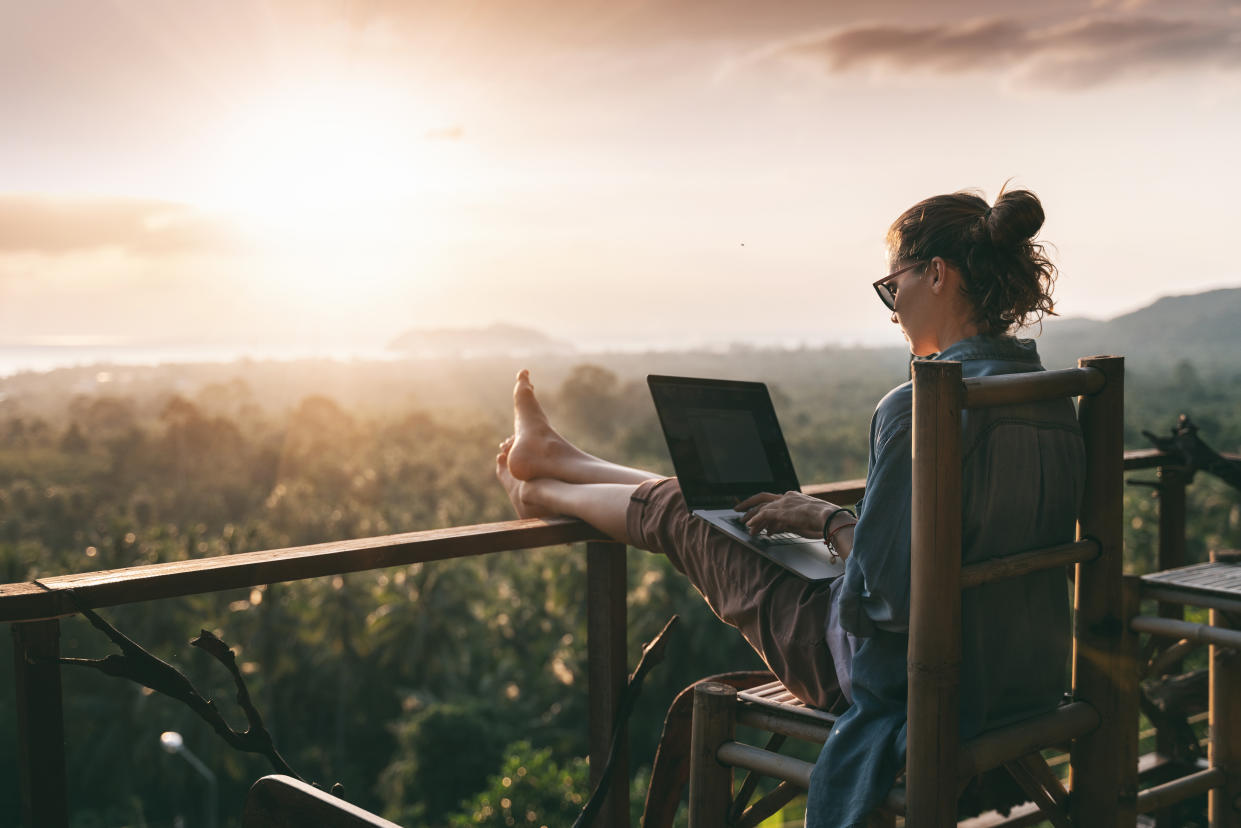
[27,357]
[16,359]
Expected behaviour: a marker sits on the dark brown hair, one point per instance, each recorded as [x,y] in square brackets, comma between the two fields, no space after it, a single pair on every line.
[1006,274]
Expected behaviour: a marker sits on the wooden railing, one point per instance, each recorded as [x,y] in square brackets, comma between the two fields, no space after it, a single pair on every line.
[33,609]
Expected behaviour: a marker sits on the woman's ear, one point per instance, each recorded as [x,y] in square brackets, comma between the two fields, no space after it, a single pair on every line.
[937,274]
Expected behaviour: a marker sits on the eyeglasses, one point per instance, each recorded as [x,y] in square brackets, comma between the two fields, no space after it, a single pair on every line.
[887,293]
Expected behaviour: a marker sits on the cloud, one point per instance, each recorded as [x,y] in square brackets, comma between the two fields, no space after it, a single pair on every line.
[42,224]
[1081,52]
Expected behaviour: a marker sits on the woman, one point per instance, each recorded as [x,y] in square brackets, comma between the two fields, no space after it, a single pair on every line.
[961,276]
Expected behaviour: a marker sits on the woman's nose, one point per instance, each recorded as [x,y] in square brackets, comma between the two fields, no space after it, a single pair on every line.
[895,321]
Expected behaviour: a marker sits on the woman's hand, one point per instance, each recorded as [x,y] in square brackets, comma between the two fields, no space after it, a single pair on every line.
[789,512]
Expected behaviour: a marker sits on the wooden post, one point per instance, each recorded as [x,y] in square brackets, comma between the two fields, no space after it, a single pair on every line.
[40,724]
[1171,524]
[1103,794]
[606,593]
[710,782]
[1224,752]
[1171,555]
[935,596]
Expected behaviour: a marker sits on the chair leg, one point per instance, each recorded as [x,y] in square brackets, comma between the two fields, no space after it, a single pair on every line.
[711,783]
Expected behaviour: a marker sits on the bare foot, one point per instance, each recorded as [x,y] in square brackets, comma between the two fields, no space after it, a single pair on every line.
[515,487]
[537,449]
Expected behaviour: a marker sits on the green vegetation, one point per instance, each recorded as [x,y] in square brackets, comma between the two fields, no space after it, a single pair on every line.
[423,688]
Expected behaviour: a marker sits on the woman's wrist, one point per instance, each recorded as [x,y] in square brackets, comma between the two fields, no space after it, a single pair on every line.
[837,517]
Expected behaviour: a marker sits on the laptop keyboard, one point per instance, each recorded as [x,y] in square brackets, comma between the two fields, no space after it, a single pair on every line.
[764,537]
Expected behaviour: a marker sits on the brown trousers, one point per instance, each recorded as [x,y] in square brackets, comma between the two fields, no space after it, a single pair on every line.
[781,615]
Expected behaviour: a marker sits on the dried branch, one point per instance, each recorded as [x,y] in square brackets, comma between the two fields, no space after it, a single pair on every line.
[1196,455]
[652,654]
[138,665]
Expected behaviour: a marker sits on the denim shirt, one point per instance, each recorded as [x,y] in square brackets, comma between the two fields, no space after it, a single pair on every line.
[1023,475]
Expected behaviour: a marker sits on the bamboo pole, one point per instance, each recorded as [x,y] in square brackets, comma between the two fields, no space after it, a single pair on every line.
[766,763]
[1178,790]
[1104,761]
[935,596]
[1171,555]
[1224,752]
[710,781]
[1189,631]
[1003,389]
[994,747]
[1036,560]
[805,729]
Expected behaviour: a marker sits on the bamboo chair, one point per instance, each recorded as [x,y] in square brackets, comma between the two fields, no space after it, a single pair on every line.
[1100,722]
[278,801]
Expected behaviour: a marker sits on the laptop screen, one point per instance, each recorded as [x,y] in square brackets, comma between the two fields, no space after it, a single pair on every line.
[724,438]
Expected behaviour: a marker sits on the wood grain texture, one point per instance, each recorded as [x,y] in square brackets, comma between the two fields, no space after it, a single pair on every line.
[63,594]
[1224,706]
[1104,794]
[935,596]
[40,724]
[998,569]
[606,620]
[1004,389]
[710,781]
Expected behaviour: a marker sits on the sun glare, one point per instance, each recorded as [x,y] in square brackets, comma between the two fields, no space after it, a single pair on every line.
[326,158]
[335,182]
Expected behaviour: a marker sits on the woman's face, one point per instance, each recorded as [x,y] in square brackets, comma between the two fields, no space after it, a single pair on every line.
[914,305]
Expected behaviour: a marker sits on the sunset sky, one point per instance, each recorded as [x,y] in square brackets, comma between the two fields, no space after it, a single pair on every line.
[323,173]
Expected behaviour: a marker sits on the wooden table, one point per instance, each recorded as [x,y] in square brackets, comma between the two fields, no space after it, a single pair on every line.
[1215,586]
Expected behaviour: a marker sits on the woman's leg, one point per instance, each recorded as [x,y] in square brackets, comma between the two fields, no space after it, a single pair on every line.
[779,614]
[537,450]
[602,505]
[546,475]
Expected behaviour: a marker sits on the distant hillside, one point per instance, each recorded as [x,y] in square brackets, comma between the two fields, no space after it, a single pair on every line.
[1201,328]
[497,339]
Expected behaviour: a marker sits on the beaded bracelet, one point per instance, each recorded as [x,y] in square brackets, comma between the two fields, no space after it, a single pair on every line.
[828,537]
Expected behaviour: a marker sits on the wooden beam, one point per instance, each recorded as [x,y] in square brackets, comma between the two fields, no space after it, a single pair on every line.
[998,569]
[61,595]
[1177,790]
[711,781]
[935,596]
[284,802]
[1171,555]
[40,724]
[1202,633]
[1104,761]
[1005,389]
[606,622]
[766,763]
[1224,707]
[796,727]
[995,747]
[844,492]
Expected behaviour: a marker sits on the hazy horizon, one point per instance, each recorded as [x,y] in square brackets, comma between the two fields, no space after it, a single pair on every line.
[328,175]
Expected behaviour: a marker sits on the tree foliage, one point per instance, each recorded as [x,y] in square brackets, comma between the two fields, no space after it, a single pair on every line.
[420,688]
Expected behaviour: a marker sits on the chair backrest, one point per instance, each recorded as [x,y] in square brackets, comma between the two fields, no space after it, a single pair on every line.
[284,802]
[1102,754]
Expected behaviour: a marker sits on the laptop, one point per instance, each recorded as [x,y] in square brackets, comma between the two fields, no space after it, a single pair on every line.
[726,445]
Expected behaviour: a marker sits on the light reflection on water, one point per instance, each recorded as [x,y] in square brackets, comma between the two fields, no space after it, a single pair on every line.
[42,358]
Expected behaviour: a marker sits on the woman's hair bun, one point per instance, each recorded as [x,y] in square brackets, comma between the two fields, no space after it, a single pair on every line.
[1014,219]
